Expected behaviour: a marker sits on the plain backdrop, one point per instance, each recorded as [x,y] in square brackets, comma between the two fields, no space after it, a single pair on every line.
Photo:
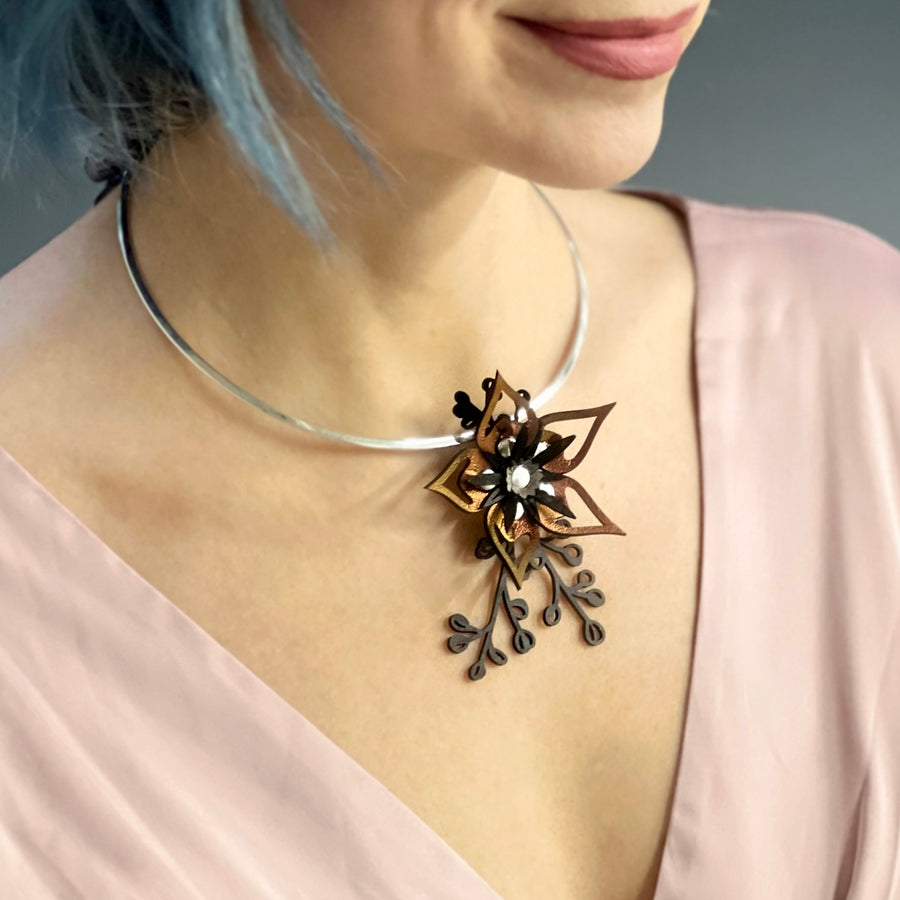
[786,103]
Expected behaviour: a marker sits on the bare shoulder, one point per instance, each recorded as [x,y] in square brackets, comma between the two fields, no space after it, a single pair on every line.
[44,295]
[58,270]
[37,301]
[63,332]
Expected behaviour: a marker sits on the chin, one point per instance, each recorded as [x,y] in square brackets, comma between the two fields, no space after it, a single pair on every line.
[575,158]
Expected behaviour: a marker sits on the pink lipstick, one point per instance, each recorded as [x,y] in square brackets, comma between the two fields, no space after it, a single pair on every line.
[628,49]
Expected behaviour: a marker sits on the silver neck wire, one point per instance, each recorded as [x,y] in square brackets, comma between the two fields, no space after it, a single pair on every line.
[407,443]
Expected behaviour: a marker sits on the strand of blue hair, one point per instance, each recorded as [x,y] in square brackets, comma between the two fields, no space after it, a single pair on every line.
[107,79]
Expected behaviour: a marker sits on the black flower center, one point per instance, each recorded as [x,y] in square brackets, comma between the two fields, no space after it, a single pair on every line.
[516,476]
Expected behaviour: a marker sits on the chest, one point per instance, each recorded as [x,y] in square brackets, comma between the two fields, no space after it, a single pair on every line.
[551,776]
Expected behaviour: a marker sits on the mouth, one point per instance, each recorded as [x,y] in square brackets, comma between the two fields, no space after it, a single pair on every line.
[624,49]
[643,26]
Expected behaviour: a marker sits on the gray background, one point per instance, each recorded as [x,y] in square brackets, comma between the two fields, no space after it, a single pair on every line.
[788,104]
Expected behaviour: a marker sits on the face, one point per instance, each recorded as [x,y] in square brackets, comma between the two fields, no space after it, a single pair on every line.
[466,82]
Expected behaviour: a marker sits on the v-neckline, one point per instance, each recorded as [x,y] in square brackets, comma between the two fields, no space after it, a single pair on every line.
[687,206]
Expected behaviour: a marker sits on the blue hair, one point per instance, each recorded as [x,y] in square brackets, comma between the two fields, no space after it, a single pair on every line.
[106,79]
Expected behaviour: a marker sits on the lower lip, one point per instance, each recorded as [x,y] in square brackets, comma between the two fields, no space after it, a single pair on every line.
[629,59]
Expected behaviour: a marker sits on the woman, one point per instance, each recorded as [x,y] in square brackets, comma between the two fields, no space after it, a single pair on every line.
[225,640]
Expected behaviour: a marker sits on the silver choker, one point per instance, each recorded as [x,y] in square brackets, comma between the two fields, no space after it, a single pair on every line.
[408,443]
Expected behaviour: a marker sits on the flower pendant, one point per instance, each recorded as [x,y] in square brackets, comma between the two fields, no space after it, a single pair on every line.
[516,472]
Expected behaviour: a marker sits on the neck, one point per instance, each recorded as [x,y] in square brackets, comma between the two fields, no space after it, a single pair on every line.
[459,271]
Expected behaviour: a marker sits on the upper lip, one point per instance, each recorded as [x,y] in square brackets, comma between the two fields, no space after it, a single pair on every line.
[619,28]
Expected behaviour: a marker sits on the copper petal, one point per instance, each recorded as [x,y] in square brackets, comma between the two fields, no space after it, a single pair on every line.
[599,413]
[550,519]
[485,437]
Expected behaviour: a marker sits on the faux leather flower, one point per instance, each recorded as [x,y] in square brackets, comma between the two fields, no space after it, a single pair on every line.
[517,473]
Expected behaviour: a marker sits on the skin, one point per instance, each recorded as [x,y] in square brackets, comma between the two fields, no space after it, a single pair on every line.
[327,570]
[464,110]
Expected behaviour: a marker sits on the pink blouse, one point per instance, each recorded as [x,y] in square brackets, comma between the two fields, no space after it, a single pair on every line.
[139,759]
